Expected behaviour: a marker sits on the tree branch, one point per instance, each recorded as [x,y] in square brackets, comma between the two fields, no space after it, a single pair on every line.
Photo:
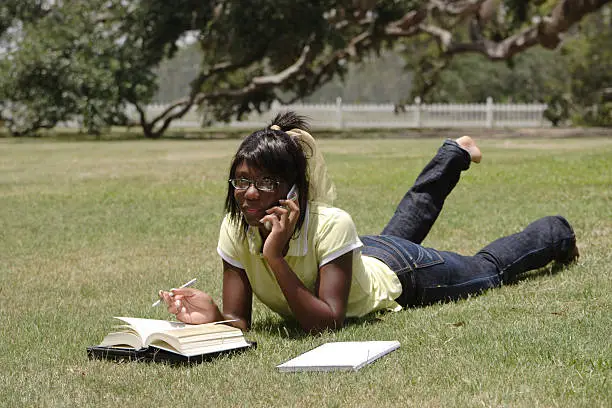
[457,7]
[179,108]
[268,81]
[546,31]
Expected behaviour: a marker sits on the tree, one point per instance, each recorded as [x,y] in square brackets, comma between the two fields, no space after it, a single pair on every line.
[589,62]
[531,76]
[13,15]
[76,60]
[260,51]
[60,68]
[48,74]
[269,49]
[572,81]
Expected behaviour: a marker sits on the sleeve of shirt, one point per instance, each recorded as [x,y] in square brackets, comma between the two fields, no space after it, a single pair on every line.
[336,236]
[228,247]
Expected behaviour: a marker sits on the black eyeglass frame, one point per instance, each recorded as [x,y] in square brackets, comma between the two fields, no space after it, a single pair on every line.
[255,183]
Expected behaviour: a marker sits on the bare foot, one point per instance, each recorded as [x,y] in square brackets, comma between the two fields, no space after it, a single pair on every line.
[468,144]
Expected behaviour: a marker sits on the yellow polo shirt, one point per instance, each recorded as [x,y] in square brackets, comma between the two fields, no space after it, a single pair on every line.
[327,233]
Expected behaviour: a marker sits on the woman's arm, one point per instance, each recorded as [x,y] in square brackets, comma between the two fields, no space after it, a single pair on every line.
[237,296]
[326,308]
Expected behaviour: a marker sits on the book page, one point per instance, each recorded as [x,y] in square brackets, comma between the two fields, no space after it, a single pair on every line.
[204,330]
[203,349]
[146,327]
[176,332]
[122,339]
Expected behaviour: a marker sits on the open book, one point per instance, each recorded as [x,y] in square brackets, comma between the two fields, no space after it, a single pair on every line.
[346,356]
[179,339]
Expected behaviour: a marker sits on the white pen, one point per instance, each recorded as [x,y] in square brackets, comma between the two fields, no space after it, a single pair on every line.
[191,282]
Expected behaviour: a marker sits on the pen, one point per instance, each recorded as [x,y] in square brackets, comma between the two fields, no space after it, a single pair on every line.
[191,282]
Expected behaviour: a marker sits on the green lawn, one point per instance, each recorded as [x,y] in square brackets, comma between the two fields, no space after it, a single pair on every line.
[91,230]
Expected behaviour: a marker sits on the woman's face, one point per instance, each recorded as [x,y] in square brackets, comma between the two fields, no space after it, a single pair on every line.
[253,202]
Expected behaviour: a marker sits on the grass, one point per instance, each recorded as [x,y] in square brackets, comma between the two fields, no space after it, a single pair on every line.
[92,230]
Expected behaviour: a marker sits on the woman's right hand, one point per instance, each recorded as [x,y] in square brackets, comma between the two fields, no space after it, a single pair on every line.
[191,305]
[283,219]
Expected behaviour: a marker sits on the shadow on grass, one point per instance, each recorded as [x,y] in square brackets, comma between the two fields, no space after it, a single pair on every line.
[127,135]
[276,326]
[290,328]
[549,270]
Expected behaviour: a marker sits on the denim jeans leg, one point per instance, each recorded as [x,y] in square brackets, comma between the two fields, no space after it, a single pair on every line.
[541,242]
[457,278]
[421,205]
[544,240]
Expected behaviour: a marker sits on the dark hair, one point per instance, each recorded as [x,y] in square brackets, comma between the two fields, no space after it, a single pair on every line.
[284,156]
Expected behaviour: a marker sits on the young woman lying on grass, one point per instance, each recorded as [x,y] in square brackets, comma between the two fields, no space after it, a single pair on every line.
[304,259]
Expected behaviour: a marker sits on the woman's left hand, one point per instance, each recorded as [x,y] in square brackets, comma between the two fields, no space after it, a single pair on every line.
[283,219]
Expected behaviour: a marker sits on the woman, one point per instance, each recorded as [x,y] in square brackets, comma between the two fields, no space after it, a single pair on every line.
[303,257]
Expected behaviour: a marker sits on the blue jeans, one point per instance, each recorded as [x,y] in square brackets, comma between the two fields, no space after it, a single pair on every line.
[428,275]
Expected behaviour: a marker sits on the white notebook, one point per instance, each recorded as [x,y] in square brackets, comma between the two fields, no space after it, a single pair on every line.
[344,356]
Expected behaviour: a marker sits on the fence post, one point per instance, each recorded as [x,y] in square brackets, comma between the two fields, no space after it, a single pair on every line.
[417,112]
[339,120]
[489,114]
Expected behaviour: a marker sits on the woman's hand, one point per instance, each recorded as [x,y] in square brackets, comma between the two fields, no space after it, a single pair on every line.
[191,305]
[283,219]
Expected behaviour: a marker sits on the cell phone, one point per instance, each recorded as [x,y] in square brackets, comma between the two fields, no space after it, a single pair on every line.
[292,195]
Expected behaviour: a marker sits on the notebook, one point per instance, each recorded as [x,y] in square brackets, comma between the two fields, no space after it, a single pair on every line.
[339,356]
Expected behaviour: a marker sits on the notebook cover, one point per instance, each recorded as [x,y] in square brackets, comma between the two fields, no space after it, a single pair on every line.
[339,356]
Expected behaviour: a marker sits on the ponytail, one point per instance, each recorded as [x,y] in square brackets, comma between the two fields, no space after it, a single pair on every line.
[289,120]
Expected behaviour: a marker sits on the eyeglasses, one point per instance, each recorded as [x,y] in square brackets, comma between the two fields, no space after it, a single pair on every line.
[263,184]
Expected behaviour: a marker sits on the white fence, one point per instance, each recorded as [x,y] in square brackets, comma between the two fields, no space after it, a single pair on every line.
[417,115]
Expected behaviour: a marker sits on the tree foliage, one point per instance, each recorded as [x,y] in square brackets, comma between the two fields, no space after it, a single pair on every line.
[91,59]
[70,62]
[589,65]
[77,60]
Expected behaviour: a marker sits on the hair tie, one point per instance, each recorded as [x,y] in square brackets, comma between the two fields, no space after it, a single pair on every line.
[275,127]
